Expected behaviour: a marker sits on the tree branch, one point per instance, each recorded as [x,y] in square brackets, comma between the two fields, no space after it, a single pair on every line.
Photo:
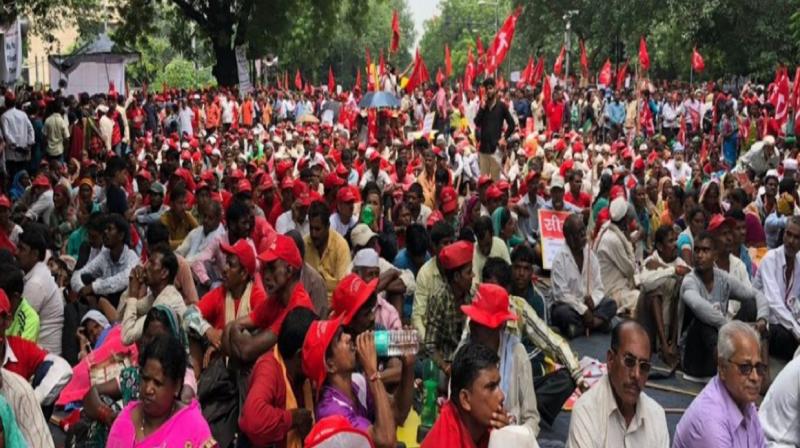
[192,13]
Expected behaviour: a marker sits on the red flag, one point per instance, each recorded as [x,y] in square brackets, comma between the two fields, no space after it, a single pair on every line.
[645,117]
[381,64]
[682,130]
[448,63]
[697,61]
[469,71]
[622,73]
[559,64]
[439,77]
[358,79]
[538,72]
[298,80]
[795,89]
[780,96]
[526,75]
[584,61]
[644,57]
[546,92]
[372,124]
[604,77]
[481,56]
[395,45]
[502,42]
[331,81]
[419,74]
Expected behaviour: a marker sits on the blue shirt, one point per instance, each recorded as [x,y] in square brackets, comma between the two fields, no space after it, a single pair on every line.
[403,261]
[616,112]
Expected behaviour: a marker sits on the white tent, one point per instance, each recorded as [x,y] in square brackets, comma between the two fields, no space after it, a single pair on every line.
[92,67]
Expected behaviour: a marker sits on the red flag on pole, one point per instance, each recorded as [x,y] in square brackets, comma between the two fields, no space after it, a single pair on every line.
[795,89]
[584,61]
[439,77]
[481,67]
[682,130]
[538,72]
[502,42]
[358,79]
[419,74]
[559,64]
[604,77]
[381,64]
[368,72]
[395,45]
[331,81]
[697,61]
[546,92]
[526,75]
[780,96]
[644,57]
[448,63]
[622,73]
[298,80]
[469,71]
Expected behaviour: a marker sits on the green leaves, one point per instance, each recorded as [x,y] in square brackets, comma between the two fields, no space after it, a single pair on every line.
[181,74]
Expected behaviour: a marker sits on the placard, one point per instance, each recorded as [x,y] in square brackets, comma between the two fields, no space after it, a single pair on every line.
[244,73]
[551,225]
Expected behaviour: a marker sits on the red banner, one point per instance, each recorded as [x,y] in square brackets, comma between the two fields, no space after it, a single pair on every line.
[502,42]
[395,45]
[584,61]
[698,65]
[448,63]
[559,64]
[604,77]
[644,57]
[331,81]
[298,80]
[469,71]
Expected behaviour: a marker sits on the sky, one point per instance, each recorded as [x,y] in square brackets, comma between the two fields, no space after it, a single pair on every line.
[422,10]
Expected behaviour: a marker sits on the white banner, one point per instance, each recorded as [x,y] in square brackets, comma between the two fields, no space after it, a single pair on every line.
[244,74]
[11,60]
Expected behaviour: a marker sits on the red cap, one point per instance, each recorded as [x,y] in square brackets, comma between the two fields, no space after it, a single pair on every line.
[244,252]
[237,174]
[41,181]
[350,295]
[433,218]
[186,155]
[4,201]
[283,248]
[638,164]
[342,170]
[374,156]
[145,174]
[566,166]
[332,180]
[345,194]
[449,199]
[267,182]
[302,193]
[336,430]
[456,254]
[5,304]
[718,221]
[503,185]
[319,337]
[577,146]
[483,180]
[560,145]
[489,307]
[282,167]
[244,185]
[208,176]
[627,153]
[616,192]
[493,192]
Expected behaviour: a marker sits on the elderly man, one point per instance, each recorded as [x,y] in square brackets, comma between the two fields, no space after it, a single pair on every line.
[616,412]
[761,157]
[706,293]
[580,302]
[617,258]
[778,278]
[724,414]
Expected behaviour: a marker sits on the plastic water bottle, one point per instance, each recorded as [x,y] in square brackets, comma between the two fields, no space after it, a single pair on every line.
[430,387]
[396,342]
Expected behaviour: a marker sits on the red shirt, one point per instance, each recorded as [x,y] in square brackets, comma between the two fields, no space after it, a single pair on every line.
[271,313]
[28,357]
[263,234]
[264,418]
[212,305]
[136,116]
[555,116]
[583,200]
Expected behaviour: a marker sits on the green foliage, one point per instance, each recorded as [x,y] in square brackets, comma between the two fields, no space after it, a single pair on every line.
[182,74]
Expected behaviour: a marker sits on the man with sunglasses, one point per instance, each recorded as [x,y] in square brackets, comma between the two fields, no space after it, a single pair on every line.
[724,414]
[616,412]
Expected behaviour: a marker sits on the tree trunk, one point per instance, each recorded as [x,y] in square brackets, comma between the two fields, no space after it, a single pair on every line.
[225,67]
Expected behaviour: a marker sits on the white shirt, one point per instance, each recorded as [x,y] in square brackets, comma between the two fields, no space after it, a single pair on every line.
[341,227]
[783,299]
[383,180]
[20,396]
[569,283]
[680,175]
[17,128]
[44,295]
[285,223]
[597,422]
[110,276]
[197,240]
[185,117]
[227,110]
[780,411]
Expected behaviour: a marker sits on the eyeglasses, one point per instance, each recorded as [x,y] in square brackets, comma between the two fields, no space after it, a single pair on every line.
[746,368]
[631,361]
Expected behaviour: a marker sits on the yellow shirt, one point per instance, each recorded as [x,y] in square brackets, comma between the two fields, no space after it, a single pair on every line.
[428,188]
[178,229]
[332,264]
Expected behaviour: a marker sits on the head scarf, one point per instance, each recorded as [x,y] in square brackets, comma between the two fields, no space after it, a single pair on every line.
[497,226]
[174,324]
[17,189]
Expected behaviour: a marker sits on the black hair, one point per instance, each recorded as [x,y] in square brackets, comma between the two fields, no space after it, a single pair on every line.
[236,211]
[662,234]
[524,254]
[469,361]
[370,187]
[441,231]
[416,188]
[34,235]
[787,185]
[482,226]
[293,331]
[319,209]
[12,279]
[168,260]
[7,257]
[97,222]
[739,195]
[177,193]
[488,82]
[164,349]
[736,214]
[158,315]
[122,225]
[617,330]
[114,165]
[298,241]
[706,235]
[416,239]
[156,234]
[442,177]
[498,269]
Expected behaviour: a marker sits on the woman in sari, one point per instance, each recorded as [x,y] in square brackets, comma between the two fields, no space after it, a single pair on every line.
[18,186]
[710,198]
[63,219]
[505,227]
[160,418]
[103,402]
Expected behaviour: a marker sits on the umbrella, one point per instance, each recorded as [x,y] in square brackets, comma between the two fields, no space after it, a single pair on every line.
[308,118]
[379,100]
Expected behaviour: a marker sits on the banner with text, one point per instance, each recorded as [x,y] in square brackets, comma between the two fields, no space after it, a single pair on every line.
[551,225]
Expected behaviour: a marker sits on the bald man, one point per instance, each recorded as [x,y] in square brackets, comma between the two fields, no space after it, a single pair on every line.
[616,412]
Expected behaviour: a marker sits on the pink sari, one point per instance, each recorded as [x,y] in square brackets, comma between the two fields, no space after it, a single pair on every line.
[186,428]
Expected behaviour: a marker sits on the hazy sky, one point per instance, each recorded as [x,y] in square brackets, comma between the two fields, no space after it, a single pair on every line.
[422,10]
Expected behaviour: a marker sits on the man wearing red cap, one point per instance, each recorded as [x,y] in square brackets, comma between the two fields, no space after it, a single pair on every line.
[296,217]
[488,314]
[326,251]
[443,319]
[375,173]
[41,200]
[476,399]
[281,268]
[344,218]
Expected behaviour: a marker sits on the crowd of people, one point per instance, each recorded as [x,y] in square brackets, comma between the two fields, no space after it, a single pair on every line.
[209,267]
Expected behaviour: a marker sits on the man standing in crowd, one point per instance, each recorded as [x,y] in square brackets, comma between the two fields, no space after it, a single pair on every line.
[489,121]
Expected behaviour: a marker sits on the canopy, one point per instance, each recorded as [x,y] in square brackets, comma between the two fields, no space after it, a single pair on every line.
[379,100]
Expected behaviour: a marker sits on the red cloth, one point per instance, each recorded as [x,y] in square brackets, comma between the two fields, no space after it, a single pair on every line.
[263,234]
[583,200]
[450,431]
[28,354]
[212,305]
[6,243]
[555,116]
[277,210]
[265,419]
[271,313]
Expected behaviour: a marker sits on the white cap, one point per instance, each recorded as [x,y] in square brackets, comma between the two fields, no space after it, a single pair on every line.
[557,181]
[769,140]
[618,209]
[790,164]
[366,258]
[216,152]
[361,234]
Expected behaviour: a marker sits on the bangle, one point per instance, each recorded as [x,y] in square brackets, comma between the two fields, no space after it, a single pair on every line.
[375,376]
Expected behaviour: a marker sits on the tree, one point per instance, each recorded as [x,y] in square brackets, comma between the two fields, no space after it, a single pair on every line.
[182,74]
